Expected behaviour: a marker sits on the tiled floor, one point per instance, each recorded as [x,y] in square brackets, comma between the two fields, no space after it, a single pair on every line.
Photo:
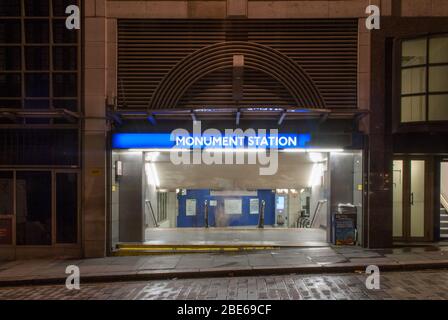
[237,236]
[394,285]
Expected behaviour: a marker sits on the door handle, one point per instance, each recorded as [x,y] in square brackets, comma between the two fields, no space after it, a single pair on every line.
[412,198]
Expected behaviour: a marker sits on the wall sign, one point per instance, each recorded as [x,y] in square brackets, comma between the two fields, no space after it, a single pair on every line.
[190,207]
[254,206]
[233,206]
[215,141]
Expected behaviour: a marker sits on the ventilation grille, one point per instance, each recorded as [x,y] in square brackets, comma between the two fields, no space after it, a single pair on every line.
[325,49]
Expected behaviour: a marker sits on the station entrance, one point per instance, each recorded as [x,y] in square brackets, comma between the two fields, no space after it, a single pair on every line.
[160,203]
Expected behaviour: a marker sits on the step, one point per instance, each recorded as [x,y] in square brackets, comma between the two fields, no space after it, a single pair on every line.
[142,250]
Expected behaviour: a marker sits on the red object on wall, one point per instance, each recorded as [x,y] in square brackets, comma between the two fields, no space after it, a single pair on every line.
[5,231]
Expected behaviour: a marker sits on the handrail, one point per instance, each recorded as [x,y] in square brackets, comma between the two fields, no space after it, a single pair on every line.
[152,211]
[444,201]
[316,212]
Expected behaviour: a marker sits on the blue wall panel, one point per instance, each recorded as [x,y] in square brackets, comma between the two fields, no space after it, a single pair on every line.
[217,213]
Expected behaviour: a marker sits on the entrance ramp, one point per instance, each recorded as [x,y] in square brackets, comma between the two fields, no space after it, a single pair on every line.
[200,240]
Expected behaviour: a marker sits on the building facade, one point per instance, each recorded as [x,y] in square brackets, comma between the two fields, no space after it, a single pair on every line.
[149,67]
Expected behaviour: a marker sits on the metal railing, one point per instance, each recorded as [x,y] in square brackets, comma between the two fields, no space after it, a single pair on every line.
[149,205]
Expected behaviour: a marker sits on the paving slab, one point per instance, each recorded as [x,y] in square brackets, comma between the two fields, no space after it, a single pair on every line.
[282,261]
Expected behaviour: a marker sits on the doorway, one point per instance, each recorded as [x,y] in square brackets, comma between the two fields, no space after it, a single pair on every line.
[412,199]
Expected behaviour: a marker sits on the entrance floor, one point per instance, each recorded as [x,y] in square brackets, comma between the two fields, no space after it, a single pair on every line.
[283,237]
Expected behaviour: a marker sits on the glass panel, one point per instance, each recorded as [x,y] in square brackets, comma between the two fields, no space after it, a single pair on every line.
[417,198]
[10,85]
[39,147]
[413,52]
[6,193]
[65,58]
[59,7]
[398,198]
[413,80]
[61,34]
[10,31]
[37,104]
[37,31]
[71,105]
[10,8]
[438,107]
[413,109]
[438,49]
[37,8]
[37,85]
[10,58]
[33,208]
[10,103]
[66,207]
[438,78]
[65,85]
[37,58]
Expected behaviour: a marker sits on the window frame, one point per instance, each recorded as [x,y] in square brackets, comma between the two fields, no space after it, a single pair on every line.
[423,125]
[13,217]
[51,18]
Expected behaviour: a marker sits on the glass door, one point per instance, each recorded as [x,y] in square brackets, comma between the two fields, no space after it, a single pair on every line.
[412,199]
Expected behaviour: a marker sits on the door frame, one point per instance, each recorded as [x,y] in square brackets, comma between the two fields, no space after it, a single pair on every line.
[429,197]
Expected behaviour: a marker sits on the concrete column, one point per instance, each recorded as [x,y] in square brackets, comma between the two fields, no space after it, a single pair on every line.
[378,218]
[94,130]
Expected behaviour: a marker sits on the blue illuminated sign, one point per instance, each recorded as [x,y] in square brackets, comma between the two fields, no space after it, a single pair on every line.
[168,140]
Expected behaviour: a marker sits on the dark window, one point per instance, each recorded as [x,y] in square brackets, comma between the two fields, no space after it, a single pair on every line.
[37,58]
[10,85]
[65,58]
[71,105]
[33,216]
[66,207]
[64,85]
[59,7]
[10,58]
[10,31]
[61,34]
[27,63]
[6,193]
[9,103]
[10,8]
[37,85]
[39,147]
[37,104]
[37,31]
[37,8]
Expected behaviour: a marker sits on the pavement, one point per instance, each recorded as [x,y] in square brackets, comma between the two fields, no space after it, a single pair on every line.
[321,260]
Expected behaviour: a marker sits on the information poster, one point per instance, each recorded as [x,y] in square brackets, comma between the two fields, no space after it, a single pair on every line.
[213,203]
[254,206]
[233,206]
[190,207]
